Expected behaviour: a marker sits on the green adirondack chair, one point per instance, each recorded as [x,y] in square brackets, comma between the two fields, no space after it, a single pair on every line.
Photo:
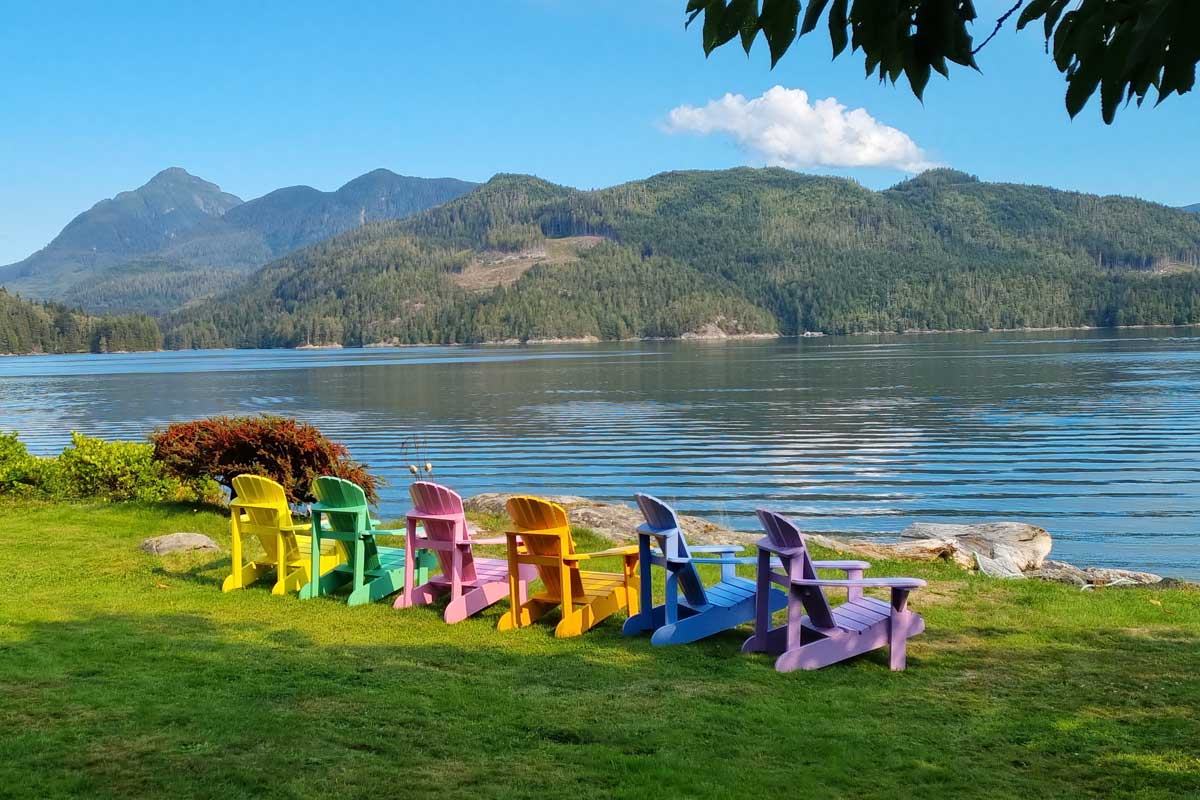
[372,571]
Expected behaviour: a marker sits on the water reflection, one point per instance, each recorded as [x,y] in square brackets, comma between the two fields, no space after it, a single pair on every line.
[1094,435]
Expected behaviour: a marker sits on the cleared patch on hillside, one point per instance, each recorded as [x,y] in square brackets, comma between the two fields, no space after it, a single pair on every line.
[1168,266]
[491,269]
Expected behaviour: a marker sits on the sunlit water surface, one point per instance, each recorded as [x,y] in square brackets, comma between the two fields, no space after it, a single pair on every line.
[1093,435]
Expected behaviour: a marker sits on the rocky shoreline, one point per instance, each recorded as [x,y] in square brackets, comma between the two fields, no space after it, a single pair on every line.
[1013,550]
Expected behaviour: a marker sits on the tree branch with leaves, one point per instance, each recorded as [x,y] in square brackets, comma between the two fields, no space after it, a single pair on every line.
[1123,48]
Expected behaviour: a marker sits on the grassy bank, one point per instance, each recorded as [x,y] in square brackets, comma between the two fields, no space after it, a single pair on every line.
[127,675]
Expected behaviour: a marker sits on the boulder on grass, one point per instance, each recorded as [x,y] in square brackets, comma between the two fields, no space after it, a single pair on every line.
[179,543]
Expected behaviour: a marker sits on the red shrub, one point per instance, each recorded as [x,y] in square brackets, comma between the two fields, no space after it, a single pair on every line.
[285,450]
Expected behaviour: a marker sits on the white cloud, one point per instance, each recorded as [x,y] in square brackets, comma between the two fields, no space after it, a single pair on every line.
[782,129]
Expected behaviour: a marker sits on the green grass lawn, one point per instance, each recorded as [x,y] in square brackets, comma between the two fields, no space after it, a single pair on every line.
[127,675]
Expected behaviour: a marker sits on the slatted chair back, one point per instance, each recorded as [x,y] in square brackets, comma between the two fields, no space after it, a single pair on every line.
[266,510]
[545,531]
[785,539]
[663,524]
[435,500]
[345,507]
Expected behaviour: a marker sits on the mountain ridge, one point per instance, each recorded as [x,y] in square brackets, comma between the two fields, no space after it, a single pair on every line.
[180,221]
[760,250]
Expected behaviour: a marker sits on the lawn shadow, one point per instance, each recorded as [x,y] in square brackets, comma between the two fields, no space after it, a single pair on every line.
[181,704]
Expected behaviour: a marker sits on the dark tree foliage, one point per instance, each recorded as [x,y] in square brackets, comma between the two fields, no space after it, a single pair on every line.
[29,327]
[752,251]
[289,452]
[1124,48]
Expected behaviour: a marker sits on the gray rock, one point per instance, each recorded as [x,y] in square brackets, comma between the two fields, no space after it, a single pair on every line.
[617,522]
[999,549]
[1061,572]
[179,543]
[909,550]
[1104,576]
[1003,567]
[1015,545]
[1093,577]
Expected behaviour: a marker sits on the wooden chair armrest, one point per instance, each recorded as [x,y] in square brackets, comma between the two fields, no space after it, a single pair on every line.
[734,560]
[628,550]
[865,583]
[420,515]
[717,548]
[241,504]
[844,566]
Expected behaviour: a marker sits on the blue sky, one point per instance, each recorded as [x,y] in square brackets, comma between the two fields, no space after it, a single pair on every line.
[96,98]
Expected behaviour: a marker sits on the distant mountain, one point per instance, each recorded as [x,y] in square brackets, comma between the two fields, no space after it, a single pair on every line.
[170,209]
[740,251]
[1194,208]
[299,215]
[180,237]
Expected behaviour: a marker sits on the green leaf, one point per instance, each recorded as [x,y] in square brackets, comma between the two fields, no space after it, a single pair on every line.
[778,23]
[918,72]
[712,27]
[693,10]
[1080,86]
[813,16]
[837,27]
[1032,11]
[734,20]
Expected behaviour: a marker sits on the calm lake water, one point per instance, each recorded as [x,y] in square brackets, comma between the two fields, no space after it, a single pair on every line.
[1093,435]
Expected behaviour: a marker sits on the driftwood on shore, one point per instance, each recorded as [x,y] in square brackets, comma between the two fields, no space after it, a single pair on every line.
[999,549]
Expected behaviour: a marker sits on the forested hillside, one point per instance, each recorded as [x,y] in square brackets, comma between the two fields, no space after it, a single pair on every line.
[28,327]
[743,250]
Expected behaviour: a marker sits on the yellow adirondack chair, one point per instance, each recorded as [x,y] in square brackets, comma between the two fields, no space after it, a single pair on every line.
[260,510]
[542,537]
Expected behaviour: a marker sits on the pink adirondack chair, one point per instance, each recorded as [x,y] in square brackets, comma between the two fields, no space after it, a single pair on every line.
[473,583]
[826,634]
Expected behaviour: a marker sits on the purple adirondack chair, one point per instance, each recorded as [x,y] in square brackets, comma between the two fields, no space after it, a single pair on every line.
[473,583]
[826,634]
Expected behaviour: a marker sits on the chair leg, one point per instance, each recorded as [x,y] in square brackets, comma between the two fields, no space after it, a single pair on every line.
[649,618]
[407,596]
[327,584]
[421,595]
[900,627]
[235,580]
[525,614]
[762,606]
[290,582]
[898,642]
[475,600]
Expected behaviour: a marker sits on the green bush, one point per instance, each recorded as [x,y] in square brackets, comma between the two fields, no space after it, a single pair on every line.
[95,468]
[20,473]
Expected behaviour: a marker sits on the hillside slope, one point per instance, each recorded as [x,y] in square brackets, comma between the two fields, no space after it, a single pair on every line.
[30,327]
[179,237]
[740,250]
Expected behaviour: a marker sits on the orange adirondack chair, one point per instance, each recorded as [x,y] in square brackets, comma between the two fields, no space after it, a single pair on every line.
[586,597]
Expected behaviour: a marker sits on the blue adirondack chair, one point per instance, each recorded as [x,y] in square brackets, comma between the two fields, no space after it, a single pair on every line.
[702,610]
